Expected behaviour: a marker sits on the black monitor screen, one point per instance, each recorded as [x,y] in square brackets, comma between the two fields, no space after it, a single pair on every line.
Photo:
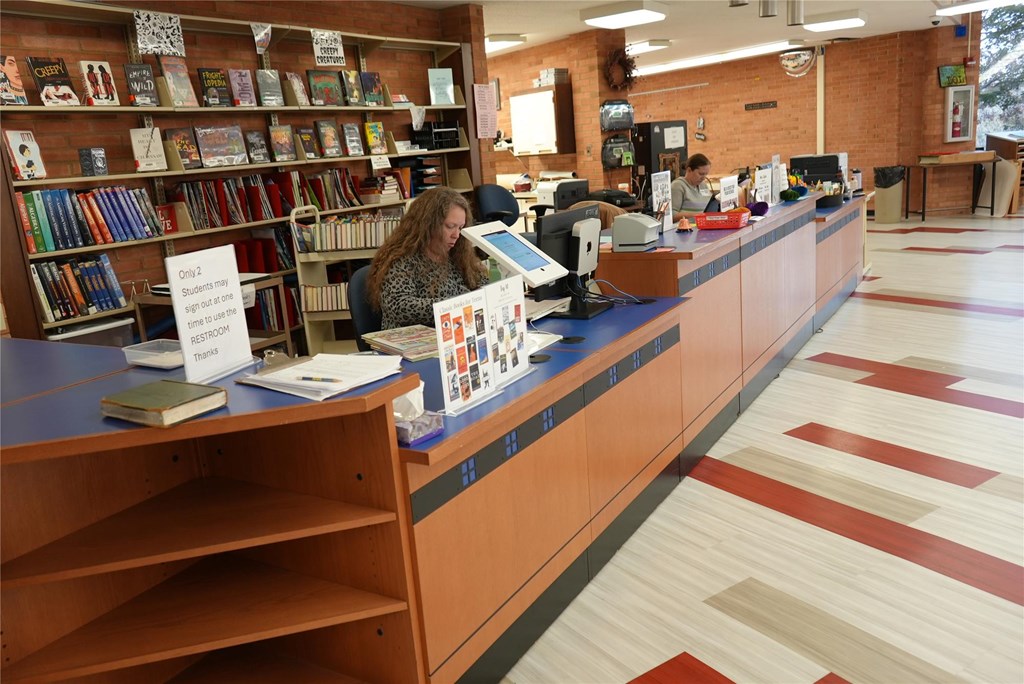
[554,238]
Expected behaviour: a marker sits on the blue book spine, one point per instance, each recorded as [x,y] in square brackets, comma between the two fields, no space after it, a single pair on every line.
[79,229]
[127,225]
[111,281]
[92,270]
[56,219]
[112,218]
[132,197]
[138,226]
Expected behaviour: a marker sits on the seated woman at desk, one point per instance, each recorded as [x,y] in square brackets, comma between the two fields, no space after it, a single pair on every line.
[424,261]
[692,191]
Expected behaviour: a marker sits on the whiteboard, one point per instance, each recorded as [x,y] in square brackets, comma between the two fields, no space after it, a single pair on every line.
[533,123]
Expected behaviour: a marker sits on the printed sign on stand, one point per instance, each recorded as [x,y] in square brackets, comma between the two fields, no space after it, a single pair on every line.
[661,198]
[327,48]
[460,325]
[506,330]
[730,193]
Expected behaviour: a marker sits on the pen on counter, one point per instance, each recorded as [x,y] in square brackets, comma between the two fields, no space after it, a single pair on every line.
[317,378]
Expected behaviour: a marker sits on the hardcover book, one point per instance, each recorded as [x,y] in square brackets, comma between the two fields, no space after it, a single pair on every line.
[442,86]
[353,88]
[98,84]
[243,93]
[141,85]
[221,145]
[93,161]
[330,141]
[12,91]
[373,89]
[256,145]
[53,81]
[163,402]
[353,140]
[213,83]
[324,88]
[375,137]
[178,83]
[269,83]
[307,138]
[148,149]
[298,88]
[282,143]
[23,151]
[185,144]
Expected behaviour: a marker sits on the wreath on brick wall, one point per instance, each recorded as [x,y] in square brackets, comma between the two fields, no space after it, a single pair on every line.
[619,70]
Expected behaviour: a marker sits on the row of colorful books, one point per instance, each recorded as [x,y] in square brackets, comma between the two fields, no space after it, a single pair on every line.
[365,231]
[333,297]
[54,220]
[72,288]
[268,313]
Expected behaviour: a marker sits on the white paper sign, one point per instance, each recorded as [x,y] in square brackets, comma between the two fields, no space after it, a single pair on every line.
[675,136]
[763,185]
[461,328]
[327,48]
[261,36]
[661,198]
[380,161]
[207,302]
[506,330]
[486,111]
[729,197]
[442,86]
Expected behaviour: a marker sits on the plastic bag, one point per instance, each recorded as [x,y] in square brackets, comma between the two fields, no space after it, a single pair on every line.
[888,176]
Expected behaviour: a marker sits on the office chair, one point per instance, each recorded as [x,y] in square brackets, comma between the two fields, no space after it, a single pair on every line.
[496,203]
[364,318]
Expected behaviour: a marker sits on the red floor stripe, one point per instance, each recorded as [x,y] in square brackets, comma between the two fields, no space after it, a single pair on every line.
[956,561]
[961,306]
[921,383]
[1010,247]
[920,462]
[832,678]
[684,668]
[947,250]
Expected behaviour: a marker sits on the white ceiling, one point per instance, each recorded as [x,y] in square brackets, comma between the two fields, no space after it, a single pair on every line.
[699,27]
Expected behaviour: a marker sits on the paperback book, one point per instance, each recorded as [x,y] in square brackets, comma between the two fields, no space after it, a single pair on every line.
[373,89]
[185,143]
[307,138]
[256,146]
[243,93]
[353,140]
[298,88]
[163,402]
[269,82]
[12,90]
[330,142]
[282,143]
[98,84]
[53,81]
[324,88]
[412,342]
[221,145]
[213,83]
[23,151]
[141,85]
[375,137]
[93,161]
[148,149]
[353,88]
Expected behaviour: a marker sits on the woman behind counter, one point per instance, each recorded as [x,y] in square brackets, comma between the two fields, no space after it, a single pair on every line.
[424,261]
[692,191]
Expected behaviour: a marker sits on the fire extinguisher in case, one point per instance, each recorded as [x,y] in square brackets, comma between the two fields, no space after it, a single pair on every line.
[956,120]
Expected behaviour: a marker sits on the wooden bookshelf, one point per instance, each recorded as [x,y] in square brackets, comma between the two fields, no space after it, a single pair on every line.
[253,665]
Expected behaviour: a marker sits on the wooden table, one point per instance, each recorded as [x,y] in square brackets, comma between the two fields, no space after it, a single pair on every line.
[976,176]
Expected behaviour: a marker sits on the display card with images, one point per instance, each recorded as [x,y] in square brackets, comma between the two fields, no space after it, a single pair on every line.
[23,151]
[53,82]
[506,331]
[269,82]
[243,93]
[221,145]
[12,90]
[179,85]
[98,84]
[461,326]
[141,85]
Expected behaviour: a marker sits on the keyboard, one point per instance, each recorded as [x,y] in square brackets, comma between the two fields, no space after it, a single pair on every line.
[537,310]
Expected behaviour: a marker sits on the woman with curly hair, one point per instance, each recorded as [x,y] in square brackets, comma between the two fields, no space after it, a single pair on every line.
[425,260]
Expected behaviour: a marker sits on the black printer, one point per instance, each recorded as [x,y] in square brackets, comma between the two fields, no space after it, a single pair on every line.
[619,198]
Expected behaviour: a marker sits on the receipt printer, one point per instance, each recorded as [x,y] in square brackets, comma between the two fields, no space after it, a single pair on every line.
[562,194]
[634,233]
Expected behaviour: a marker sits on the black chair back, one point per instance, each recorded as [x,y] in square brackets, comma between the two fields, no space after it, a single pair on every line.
[364,318]
[496,203]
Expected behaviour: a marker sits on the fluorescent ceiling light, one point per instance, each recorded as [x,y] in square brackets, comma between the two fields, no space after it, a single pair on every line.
[974,6]
[500,41]
[623,14]
[835,21]
[647,46]
[704,60]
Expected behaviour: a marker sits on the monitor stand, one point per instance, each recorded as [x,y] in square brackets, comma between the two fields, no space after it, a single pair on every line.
[580,309]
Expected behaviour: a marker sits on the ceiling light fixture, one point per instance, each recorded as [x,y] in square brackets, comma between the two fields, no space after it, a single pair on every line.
[647,46]
[974,6]
[501,41]
[729,56]
[835,21]
[623,14]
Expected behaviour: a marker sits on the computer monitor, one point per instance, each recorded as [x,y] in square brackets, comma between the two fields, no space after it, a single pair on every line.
[555,238]
[514,253]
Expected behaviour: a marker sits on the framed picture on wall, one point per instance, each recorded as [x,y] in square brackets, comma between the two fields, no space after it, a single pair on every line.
[952,75]
[959,113]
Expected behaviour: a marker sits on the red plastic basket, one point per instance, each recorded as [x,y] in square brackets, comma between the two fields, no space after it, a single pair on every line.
[722,220]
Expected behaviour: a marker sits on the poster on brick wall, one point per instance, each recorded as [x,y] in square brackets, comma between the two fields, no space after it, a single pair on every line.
[158,33]
[486,111]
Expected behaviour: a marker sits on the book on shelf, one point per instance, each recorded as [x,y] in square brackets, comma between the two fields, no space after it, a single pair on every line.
[282,143]
[221,145]
[243,92]
[12,90]
[373,89]
[412,342]
[256,146]
[98,84]
[269,83]
[26,222]
[401,100]
[352,140]
[330,140]
[23,151]
[75,287]
[148,149]
[168,219]
[298,88]
[324,88]
[213,84]
[375,139]
[353,88]
[93,161]
[307,138]
[179,85]
[163,403]
[53,81]
[442,86]
[141,85]
[185,143]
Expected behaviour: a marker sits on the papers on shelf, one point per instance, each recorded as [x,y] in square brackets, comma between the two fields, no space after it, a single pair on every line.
[326,375]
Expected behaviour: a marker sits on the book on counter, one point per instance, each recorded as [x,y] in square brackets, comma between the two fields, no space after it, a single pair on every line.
[53,81]
[93,161]
[185,143]
[141,85]
[12,91]
[163,402]
[269,83]
[373,89]
[282,143]
[179,85]
[324,88]
[298,88]
[98,84]
[353,140]
[243,92]
[148,149]
[256,145]
[412,342]
[213,84]
[353,88]
[23,151]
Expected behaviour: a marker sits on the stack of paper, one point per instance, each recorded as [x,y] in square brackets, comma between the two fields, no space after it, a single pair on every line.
[413,342]
[326,375]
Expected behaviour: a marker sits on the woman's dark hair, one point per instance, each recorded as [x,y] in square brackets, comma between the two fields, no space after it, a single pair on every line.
[696,161]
